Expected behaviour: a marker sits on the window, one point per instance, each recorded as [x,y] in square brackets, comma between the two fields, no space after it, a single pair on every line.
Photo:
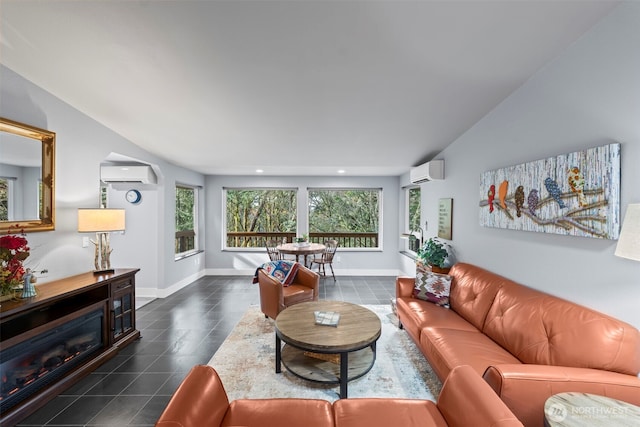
[186,219]
[104,196]
[254,216]
[4,199]
[413,216]
[351,216]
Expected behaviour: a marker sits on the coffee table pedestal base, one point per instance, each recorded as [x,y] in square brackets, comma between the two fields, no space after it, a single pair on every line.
[352,365]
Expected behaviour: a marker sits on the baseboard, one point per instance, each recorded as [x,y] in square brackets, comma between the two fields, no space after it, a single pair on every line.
[339,272]
[163,293]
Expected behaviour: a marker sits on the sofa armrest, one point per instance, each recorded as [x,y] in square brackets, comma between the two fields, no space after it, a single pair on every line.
[404,286]
[467,400]
[199,401]
[524,388]
[271,295]
[308,278]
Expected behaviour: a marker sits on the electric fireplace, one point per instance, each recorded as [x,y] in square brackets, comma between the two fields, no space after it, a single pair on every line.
[31,365]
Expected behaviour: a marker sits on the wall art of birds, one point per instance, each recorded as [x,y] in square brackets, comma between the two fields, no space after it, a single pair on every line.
[491,194]
[502,193]
[554,191]
[532,201]
[519,200]
[576,183]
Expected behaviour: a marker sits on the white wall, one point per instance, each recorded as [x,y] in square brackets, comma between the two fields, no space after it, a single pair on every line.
[588,96]
[360,262]
[81,145]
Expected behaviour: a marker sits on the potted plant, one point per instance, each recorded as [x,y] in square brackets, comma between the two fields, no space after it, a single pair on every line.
[434,253]
[301,241]
[14,250]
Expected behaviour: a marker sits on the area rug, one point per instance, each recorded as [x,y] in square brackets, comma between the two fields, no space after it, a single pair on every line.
[246,364]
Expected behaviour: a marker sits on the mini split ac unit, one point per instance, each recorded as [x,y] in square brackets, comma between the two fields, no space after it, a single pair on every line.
[124,173]
[427,172]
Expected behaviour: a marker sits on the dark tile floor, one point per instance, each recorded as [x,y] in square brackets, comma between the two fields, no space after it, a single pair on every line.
[178,332]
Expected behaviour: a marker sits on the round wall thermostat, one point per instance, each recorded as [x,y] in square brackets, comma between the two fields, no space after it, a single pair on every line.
[133,196]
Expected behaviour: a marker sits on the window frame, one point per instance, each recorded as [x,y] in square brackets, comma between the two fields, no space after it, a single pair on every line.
[407,216]
[196,221]
[380,231]
[223,242]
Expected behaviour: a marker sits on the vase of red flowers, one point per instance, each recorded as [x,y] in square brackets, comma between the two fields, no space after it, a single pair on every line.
[14,250]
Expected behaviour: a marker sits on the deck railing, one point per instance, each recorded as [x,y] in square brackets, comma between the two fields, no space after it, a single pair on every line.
[185,241]
[242,239]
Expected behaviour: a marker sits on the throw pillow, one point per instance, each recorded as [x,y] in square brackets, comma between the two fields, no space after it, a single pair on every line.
[433,287]
[283,271]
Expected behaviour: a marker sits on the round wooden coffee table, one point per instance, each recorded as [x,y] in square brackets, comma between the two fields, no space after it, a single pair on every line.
[327,354]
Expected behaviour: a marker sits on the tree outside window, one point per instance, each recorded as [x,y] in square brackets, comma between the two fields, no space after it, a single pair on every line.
[413,215]
[254,216]
[350,216]
[186,219]
[4,200]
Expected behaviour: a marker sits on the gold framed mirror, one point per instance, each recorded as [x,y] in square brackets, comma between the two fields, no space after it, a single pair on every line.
[27,177]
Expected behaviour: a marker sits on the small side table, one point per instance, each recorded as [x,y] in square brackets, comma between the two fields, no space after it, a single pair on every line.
[583,409]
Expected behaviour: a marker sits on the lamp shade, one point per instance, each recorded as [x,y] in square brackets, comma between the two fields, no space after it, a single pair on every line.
[629,241]
[100,220]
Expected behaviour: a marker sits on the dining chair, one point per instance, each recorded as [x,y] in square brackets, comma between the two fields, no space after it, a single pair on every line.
[326,258]
[272,250]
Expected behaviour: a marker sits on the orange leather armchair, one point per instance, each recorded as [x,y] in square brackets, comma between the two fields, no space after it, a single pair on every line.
[274,297]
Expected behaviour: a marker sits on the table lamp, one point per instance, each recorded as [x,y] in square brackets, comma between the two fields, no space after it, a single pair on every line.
[629,241]
[102,222]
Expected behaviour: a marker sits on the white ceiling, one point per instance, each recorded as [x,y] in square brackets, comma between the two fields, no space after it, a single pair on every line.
[291,87]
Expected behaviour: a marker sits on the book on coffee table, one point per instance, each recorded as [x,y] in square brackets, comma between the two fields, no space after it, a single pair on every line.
[327,318]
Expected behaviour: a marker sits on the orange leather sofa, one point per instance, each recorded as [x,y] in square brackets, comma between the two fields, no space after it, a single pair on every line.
[274,297]
[528,345]
[465,400]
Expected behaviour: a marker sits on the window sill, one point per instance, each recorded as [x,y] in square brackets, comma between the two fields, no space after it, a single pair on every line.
[408,254]
[184,255]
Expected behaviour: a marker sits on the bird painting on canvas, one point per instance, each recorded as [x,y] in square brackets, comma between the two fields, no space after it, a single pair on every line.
[502,193]
[491,195]
[576,183]
[554,191]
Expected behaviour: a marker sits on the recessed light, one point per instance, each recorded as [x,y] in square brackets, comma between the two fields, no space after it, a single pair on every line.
[341,171]
[259,170]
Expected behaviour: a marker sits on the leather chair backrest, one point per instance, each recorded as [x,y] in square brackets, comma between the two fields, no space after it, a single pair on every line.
[473,290]
[542,329]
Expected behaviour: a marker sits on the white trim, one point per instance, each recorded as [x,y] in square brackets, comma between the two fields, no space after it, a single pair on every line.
[163,293]
[248,273]
[339,272]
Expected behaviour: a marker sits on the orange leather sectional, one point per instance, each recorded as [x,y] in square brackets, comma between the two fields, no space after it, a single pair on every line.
[465,400]
[528,345]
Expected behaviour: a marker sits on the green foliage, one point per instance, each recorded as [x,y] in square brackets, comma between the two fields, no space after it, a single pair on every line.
[261,210]
[4,201]
[414,208]
[343,211]
[433,252]
[184,208]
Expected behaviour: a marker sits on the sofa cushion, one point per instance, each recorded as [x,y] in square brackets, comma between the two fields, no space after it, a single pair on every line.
[433,287]
[295,293]
[472,292]
[541,329]
[363,412]
[414,314]
[447,348]
[279,412]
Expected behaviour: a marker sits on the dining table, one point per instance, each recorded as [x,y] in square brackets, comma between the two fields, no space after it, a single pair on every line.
[301,249]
